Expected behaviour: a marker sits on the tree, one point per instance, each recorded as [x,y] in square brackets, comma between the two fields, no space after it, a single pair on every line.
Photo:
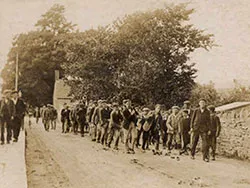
[207,92]
[145,57]
[40,53]
[54,21]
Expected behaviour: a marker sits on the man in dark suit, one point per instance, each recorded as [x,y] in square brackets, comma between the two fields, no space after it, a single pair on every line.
[7,114]
[129,125]
[200,127]
[20,109]
[184,126]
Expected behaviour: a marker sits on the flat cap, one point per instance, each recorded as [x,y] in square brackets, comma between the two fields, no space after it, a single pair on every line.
[187,102]
[146,109]
[176,107]
[202,99]
[7,91]
[115,104]
[14,92]
[211,107]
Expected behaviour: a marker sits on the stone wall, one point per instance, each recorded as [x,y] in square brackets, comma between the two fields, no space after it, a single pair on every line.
[234,140]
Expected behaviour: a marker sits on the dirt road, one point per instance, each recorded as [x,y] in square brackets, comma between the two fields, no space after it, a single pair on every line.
[69,161]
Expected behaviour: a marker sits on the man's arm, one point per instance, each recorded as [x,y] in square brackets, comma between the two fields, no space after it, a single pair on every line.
[169,123]
[192,120]
[218,126]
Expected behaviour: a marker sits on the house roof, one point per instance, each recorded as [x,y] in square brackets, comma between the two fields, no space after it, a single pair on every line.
[232,106]
[61,90]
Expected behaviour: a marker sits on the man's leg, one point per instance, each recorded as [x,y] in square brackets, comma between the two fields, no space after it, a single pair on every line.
[63,126]
[126,135]
[103,133]
[117,137]
[195,139]
[157,141]
[111,133]
[138,138]
[93,131]
[9,130]
[164,138]
[99,132]
[145,135]
[17,127]
[2,132]
[82,127]
[169,142]
[213,145]
[204,145]
[133,136]
[22,123]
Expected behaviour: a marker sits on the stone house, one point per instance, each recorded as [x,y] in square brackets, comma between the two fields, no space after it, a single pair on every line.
[61,93]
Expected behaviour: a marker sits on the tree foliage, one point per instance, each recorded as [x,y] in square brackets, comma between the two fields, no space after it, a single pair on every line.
[143,56]
[207,92]
[40,53]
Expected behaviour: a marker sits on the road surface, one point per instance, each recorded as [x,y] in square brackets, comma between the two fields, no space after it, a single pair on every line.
[70,161]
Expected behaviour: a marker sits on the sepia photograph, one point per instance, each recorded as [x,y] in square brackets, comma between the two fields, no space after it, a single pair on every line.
[124,93]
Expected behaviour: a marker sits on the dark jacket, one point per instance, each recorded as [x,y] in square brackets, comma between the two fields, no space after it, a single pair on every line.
[65,115]
[128,117]
[7,110]
[200,121]
[20,109]
[115,119]
[215,125]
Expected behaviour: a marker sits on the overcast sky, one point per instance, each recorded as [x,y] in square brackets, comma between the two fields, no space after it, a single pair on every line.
[228,20]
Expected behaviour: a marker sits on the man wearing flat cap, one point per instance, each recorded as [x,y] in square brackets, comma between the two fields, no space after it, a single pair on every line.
[19,115]
[200,127]
[7,114]
[114,126]
[215,130]
[184,126]
[129,125]
[172,125]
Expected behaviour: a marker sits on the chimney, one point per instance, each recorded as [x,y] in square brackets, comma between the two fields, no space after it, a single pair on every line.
[57,74]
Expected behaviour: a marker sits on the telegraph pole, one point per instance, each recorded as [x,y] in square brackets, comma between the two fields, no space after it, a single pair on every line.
[16,80]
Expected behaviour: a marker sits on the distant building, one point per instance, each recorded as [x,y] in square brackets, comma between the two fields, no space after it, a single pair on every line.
[61,92]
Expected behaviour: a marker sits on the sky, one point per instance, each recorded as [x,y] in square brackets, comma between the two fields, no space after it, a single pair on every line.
[228,20]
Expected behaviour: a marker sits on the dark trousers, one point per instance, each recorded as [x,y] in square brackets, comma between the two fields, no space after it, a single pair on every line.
[16,127]
[139,132]
[195,140]
[65,126]
[212,143]
[82,125]
[6,123]
[75,126]
[185,140]
[164,137]
[156,139]
[145,139]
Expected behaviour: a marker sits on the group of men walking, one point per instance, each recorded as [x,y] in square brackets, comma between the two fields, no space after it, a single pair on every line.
[49,116]
[12,112]
[177,128]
